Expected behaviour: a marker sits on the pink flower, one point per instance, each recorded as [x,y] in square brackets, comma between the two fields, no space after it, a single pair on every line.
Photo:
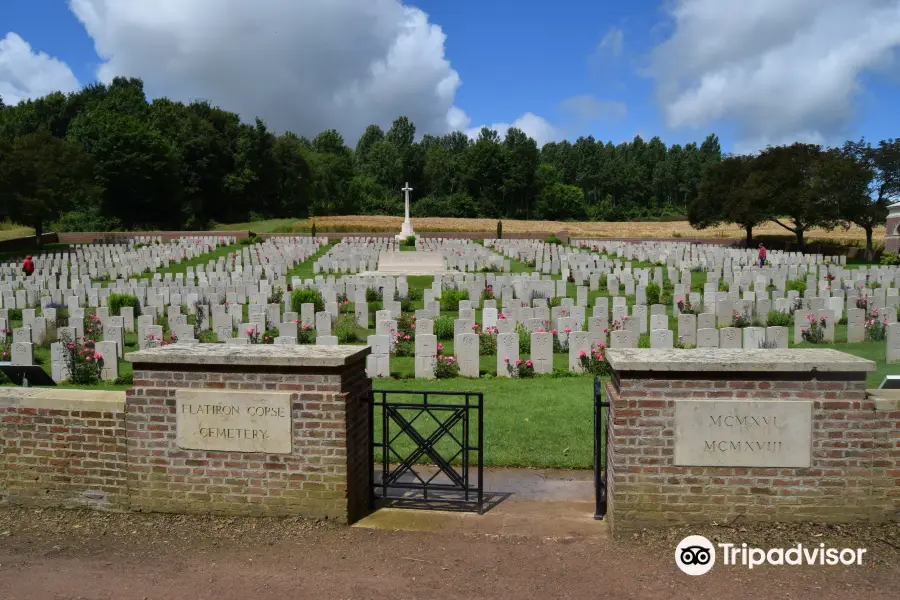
[581,354]
[553,331]
[413,326]
[506,360]
[440,346]
[568,330]
[518,363]
[528,363]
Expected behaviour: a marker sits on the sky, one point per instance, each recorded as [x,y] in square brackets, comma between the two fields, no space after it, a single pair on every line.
[755,72]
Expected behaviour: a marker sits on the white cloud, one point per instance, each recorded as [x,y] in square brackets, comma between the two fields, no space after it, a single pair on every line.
[586,107]
[302,65]
[26,74]
[531,124]
[782,71]
[612,41]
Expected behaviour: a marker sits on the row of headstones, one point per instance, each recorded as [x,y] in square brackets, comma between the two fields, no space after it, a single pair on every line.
[271,256]
[120,260]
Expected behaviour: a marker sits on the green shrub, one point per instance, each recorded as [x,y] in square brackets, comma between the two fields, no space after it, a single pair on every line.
[443,327]
[776,318]
[416,294]
[303,296]
[207,337]
[499,230]
[125,379]
[553,240]
[644,340]
[410,241]
[524,339]
[797,285]
[252,239]
[652,292]
[374,295]
[14,314]
[345,329]
[449,299]
[890,258]
[117,301]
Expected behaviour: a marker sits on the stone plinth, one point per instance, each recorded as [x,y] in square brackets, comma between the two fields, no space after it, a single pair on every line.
[411,263]
[892,231]
[769,435]
[406,230]
[253,429]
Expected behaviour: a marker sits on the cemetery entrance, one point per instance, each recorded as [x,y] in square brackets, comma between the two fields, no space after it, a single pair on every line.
[427,450]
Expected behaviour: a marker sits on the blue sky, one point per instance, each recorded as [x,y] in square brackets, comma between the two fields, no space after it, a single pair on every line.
[753,71]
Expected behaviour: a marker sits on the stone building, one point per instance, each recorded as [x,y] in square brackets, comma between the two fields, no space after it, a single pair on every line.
[892,234]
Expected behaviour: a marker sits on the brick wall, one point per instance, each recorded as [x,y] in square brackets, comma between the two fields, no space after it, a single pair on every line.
[63,448]
[854,473]
[326,475]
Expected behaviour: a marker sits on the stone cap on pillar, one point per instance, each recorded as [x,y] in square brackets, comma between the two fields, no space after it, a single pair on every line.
[737,361]
[253,355]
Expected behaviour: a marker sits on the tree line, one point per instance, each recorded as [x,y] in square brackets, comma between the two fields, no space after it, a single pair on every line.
[105,158]
[800,187]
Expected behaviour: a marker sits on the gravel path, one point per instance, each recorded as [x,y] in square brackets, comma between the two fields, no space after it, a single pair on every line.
[54,554]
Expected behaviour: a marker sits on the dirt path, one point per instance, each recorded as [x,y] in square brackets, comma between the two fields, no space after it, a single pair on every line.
[82,555]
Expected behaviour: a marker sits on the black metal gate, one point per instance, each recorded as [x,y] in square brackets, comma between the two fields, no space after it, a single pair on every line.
[601,446]
[425,448]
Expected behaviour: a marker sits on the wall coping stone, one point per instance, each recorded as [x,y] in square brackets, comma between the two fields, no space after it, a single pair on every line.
[734,360]
[888,400]
[254,355]
[63,399]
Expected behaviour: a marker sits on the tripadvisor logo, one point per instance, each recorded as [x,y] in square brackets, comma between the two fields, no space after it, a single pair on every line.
[696,555]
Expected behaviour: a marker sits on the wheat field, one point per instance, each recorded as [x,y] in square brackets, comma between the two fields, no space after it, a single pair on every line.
[631,229]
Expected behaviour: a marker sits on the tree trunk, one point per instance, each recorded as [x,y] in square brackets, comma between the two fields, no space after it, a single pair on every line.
[749,229]
[39,233]
[799,233]
[869,250]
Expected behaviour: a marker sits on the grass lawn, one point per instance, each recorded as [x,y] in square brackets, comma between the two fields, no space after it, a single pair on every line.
[543,422]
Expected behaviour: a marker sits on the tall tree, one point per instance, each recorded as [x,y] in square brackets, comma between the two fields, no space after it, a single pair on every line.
[880,166]
[135,165]
[41,177]
[522,157]
[787,178]
[727,193]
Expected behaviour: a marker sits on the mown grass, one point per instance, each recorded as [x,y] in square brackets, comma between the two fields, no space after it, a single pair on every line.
[10,231]
[546,422]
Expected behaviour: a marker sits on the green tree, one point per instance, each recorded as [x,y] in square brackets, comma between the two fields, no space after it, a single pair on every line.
[880,168]
[41,177]
[522,157]
[561,202]
[135,165]
[788,179]
[727,193]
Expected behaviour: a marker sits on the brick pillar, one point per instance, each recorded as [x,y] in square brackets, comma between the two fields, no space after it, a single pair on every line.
[770,435]
[250,430]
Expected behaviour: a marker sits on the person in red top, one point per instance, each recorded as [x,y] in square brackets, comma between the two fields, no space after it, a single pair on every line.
[762,256]
[28,266]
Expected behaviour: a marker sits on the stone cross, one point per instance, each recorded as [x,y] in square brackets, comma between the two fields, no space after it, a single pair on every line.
[407,189]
